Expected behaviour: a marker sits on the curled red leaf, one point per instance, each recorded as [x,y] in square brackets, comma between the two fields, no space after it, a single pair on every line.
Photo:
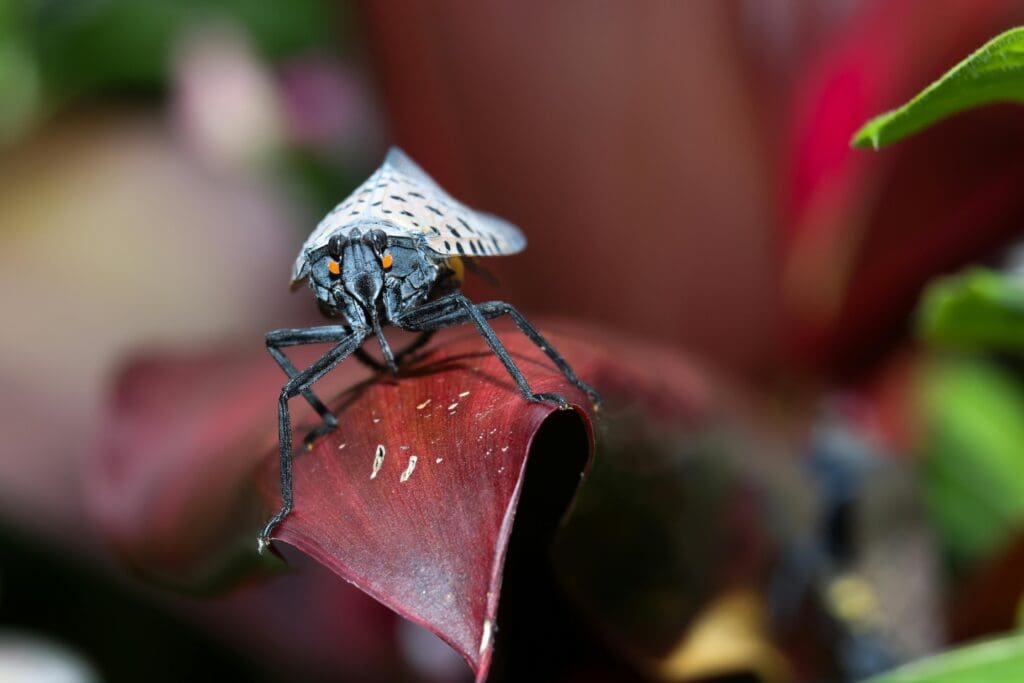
[186,469]
[413,497]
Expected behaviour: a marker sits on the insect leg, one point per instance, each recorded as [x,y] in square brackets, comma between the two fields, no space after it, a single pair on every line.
[369,361]
[416,344]
[456,309]
[493,309]
[293,387]
[278,339]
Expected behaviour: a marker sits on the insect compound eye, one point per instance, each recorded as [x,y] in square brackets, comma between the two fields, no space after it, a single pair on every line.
[387,260]
[335,245]
[379,240]
[334,268]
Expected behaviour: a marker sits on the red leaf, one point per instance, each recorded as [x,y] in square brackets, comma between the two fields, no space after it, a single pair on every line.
[190,440]
[426,531]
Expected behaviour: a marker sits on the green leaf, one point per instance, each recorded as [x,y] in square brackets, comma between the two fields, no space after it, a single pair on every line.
[994,661]
[994,73]
[126,44]
[977,309]
[973,455]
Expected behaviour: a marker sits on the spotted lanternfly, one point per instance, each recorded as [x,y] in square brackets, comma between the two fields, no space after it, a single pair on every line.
[392,252]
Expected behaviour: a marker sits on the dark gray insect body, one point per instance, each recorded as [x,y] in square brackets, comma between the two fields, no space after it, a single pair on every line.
[389,254]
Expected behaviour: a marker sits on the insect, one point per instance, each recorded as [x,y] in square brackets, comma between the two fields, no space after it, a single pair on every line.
[392,253]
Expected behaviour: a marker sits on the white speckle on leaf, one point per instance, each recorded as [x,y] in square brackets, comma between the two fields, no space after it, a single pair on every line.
[453,406]
[485,640]
[408,469]
[376,420]
[439,460]
[342,447]
[423,405]
[505,449]
[378,460]
[464,394]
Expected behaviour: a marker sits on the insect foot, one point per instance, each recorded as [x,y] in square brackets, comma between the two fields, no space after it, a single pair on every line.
[557,399]
[263,540]
[595,398]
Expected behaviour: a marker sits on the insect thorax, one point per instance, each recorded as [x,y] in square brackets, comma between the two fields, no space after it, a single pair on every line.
[359,269]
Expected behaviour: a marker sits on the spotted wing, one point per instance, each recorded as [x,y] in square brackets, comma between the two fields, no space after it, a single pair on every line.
[402,200]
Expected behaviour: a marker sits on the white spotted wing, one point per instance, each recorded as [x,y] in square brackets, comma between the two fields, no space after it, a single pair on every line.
[402,200]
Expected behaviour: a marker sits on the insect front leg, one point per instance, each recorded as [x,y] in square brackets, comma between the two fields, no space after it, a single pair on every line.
[285,337]
[295,386]
[415,345]
[493,309]
[456,309]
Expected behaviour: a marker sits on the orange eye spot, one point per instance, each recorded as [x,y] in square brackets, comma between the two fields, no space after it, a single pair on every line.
[334,267]
[386,260]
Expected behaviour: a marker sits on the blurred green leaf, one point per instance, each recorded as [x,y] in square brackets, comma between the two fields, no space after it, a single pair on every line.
[977,309]
[994,73]
[19,88]
[993,661]
[974,455]
[94,44]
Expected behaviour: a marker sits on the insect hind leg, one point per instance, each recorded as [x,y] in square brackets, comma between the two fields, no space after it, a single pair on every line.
[415,345]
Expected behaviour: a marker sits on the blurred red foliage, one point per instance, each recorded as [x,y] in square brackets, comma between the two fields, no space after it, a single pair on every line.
[865,230]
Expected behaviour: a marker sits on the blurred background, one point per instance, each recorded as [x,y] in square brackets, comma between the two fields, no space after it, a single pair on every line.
[683,175]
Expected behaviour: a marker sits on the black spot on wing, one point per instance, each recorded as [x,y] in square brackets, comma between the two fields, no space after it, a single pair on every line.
[458,245]
[435,210]
[453,231]
[340,207]
[398,197]
[410,214]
